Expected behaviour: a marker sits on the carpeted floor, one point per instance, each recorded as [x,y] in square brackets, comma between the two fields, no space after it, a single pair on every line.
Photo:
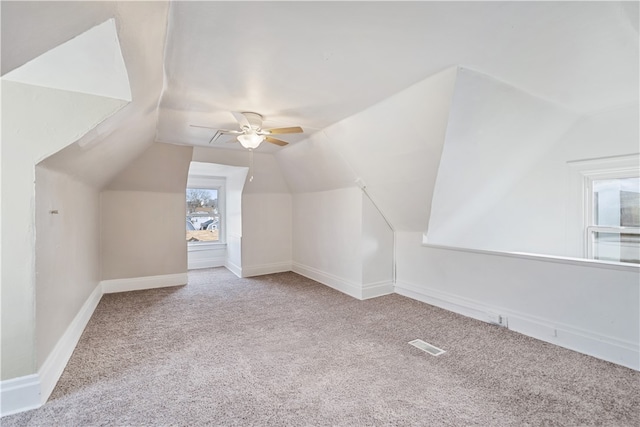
[284,350]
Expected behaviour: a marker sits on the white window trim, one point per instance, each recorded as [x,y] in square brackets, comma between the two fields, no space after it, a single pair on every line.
[583,174]
[211,183]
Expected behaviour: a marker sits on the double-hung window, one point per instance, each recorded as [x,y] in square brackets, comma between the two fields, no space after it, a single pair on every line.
[203,215]
[613,216]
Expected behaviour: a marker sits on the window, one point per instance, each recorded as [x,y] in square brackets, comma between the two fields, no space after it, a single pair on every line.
[613,217]
[203,215]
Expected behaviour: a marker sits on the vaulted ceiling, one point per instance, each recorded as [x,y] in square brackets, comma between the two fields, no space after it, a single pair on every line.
[316,63]
[325,66]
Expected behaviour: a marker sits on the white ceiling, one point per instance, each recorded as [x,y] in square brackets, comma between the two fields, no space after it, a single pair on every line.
[315,63]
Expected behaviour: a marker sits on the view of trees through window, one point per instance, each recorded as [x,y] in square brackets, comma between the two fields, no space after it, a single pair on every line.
[203,216]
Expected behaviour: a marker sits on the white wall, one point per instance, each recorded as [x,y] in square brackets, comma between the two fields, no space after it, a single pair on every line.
[61,118]
[39,121]
[392,147]
[589,308]
[235,185]
[327,228]
[504,179]
[266,233]
[601,135]
[340,240]
[490,192]
[315,164]
[67,254]
[377,248]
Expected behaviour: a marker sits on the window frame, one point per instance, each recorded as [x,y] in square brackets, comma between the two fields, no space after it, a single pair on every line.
[607,170]
[210,183]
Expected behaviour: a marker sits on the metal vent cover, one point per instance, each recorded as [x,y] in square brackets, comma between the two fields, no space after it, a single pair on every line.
[425,346]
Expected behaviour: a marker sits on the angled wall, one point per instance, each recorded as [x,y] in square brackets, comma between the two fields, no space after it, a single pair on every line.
[342,236]
[504,180]
[315,164]
[142,216]
[67,253]
[36,122]
[79,140]
[490,191]
[394,148]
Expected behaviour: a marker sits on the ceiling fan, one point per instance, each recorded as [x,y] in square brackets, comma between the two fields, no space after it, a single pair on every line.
[251,133]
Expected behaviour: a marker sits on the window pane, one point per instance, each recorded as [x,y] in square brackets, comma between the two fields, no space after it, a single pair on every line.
[616,202]
[620,247]
[203,217]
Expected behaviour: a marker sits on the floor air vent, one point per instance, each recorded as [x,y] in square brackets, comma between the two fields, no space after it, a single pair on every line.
[424,346]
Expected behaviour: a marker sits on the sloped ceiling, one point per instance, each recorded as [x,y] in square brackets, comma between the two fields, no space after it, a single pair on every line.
[89,63]
[391,148]
[30,30]
[324,65]
[316,63]
[496,135]
[372,82]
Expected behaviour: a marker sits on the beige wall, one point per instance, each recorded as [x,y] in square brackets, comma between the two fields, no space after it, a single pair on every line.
[67,254]
[160,168]
[142,229]
[142,234]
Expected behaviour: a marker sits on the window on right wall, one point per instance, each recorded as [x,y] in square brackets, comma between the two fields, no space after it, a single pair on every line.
[613,218]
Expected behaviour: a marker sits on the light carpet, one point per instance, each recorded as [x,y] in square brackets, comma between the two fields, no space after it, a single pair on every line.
[284,350]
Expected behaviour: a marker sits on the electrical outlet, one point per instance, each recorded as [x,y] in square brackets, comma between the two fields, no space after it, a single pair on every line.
[497,319]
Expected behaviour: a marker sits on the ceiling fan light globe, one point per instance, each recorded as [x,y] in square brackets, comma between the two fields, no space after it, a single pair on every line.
[250,140]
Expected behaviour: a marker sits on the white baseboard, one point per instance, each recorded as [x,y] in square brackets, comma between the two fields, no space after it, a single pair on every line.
[206,255]
[195,264]
[235,269]
[613,350]
[449,302]
[377,289]
[259,270]
[343,285]
[20,394]
[32,391]
[54,365]
[142,283]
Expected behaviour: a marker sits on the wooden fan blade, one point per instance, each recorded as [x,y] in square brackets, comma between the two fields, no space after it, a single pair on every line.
[276,131]
[275,141]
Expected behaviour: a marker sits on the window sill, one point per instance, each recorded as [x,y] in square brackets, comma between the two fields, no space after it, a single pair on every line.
[205,246]
[545,258]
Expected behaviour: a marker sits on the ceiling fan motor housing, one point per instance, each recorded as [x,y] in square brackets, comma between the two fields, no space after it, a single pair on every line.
[254,119]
